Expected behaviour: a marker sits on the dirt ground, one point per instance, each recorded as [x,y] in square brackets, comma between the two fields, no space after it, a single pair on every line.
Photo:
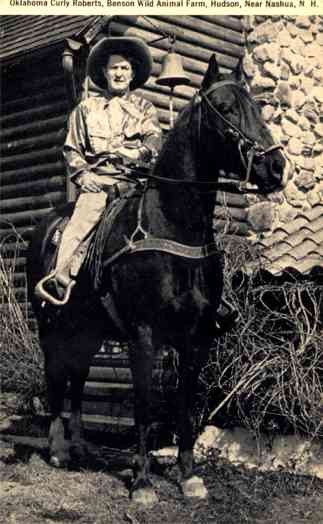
[96,492]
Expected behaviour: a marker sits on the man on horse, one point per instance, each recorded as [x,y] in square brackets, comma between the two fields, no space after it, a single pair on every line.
[115,127]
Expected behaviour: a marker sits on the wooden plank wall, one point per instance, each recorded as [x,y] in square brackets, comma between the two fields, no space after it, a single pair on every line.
[32,121]
[197,38]
[32,175]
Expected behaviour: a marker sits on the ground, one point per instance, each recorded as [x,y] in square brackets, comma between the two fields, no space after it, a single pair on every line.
[96,492]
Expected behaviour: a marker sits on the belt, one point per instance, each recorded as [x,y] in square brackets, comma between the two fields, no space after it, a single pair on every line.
[108,169]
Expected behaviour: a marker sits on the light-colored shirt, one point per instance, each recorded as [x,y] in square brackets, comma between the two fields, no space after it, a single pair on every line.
[99,125]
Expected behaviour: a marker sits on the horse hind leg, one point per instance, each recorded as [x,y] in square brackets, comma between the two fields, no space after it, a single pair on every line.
[141,360]
[56,377]
[65,360]
[191,362]
[78,449]
[82,347]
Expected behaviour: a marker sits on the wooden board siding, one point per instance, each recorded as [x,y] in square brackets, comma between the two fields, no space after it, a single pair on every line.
[108,393]
[108,398]
[34,104]
[33,122]
[33,116]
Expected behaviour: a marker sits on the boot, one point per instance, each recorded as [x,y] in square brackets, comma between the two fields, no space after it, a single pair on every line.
[55,288]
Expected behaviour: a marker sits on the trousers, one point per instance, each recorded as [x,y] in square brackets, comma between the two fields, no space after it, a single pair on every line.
[88,210]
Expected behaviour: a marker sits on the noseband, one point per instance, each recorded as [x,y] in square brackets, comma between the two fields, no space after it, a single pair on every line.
[146,241]
[253,149]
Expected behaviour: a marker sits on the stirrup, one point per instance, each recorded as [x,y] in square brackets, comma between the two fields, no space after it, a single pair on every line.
[43,294]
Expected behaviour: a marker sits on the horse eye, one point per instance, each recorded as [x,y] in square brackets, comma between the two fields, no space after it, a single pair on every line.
[224,108]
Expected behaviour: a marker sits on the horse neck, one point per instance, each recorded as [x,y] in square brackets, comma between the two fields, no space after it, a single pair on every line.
[181,209]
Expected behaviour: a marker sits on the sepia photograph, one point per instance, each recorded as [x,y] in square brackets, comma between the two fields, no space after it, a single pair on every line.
[161,262]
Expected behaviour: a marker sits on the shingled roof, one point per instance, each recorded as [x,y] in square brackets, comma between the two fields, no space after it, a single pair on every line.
[22,34]
[297,244]
[291,247]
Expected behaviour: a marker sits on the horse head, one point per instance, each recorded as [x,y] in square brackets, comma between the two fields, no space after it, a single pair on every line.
[229,116]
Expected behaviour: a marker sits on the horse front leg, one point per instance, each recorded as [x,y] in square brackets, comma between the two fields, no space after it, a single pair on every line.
[141,361]
[190,364]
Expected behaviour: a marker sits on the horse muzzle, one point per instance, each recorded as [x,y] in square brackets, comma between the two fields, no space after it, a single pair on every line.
[264,167]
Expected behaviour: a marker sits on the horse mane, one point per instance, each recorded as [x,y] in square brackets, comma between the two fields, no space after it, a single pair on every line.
[171,154]
[175,145]
[105,230]
[183,137]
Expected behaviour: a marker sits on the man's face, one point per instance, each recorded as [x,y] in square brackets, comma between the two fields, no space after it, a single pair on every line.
[119,74]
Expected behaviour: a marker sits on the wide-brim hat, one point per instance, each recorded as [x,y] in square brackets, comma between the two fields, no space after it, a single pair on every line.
[131,47]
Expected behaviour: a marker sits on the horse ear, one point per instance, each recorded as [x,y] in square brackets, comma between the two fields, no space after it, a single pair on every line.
[239,72]
[212,74]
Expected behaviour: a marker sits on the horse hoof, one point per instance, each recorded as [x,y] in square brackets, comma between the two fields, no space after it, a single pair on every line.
[145,496]
[194,488]
[56,462]
[59,462]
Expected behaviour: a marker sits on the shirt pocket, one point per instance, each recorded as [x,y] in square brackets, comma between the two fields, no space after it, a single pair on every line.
[132,128]
[98,131]
[99,141]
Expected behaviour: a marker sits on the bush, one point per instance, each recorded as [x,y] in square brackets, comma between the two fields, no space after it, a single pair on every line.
[267,373]
[21,362]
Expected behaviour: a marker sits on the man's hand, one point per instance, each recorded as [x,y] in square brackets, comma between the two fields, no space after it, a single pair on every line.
[90,183]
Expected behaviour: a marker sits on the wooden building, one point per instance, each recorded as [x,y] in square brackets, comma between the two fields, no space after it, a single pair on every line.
[42,69]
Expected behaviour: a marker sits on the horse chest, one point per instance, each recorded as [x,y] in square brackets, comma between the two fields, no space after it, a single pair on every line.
[185,291]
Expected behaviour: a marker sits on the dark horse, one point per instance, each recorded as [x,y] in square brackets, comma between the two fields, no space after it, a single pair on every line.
[168,292]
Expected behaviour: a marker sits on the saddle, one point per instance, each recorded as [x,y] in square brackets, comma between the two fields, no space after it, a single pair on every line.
[90,254]
[118,196]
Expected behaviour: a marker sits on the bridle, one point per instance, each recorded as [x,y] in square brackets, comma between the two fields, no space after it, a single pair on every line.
[249,149]
[141,240]
[254,150]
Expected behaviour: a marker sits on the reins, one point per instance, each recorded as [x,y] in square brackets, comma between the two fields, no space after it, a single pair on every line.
[141,240]
[254,150]
[139,170]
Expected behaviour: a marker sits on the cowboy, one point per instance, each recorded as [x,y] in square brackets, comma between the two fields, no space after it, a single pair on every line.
[114,125]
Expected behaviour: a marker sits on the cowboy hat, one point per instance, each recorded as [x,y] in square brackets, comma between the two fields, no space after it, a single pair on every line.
[132,48]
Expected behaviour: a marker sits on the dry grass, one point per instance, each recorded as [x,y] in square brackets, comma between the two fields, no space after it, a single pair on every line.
[21,362]
[267,373]
[31,492]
